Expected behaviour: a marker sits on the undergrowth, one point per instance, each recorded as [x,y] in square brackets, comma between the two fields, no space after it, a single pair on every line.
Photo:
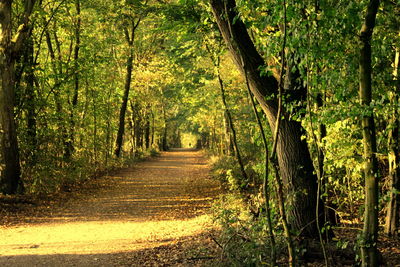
[240,213]
[52,175]
[244,237]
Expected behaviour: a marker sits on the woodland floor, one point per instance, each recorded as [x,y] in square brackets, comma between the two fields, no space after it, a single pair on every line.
[153,214]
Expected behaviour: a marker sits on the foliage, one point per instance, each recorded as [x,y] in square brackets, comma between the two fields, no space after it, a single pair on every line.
[244,237]
[175,98]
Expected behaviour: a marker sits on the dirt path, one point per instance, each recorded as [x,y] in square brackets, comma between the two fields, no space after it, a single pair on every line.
[149,215]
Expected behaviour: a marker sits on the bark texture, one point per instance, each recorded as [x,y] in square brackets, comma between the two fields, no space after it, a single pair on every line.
[392,226]
[10,173]
[10,47]
[369,253]
[295,163]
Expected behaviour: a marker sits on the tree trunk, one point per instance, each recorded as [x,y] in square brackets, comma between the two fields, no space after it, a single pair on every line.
[129,66]
[30,101]
[138,132]
[265,180]
[152,128]
[164,144]
[369,253]
[10,175]
[392,226]
[229,149]
[147,128]
[164,140]
[59,107]
[70,143]
[122,112]
[10,46]
[295,163]
[230,124]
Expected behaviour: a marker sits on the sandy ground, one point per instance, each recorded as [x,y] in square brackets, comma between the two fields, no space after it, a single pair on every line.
[153,214]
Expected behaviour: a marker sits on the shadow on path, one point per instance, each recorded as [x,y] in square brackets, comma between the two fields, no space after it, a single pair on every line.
[156,202]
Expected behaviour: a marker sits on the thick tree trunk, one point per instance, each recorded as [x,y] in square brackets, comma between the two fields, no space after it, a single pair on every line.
[10,174]
[369,253]
[10,46]
[392,226]
[295,163]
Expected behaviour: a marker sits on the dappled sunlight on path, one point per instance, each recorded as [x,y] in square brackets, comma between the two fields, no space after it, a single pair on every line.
[95,237]
[157,202]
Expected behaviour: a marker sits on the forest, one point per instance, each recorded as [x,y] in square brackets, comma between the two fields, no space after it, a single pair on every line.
[295,103]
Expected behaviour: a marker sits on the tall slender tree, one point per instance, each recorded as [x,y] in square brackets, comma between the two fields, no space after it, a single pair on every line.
[392,226]
[30,99]
[69,149]
[369,253]
[229,117]
[129,32]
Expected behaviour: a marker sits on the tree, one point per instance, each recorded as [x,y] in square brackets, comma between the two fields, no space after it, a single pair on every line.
[10,47]
[294,159]
[129,31]
[215,56]
[30,99]
[69,149]
[369,253]
[392,225]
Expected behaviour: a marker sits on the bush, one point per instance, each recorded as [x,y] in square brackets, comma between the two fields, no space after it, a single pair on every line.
[226,170]
[244,237]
